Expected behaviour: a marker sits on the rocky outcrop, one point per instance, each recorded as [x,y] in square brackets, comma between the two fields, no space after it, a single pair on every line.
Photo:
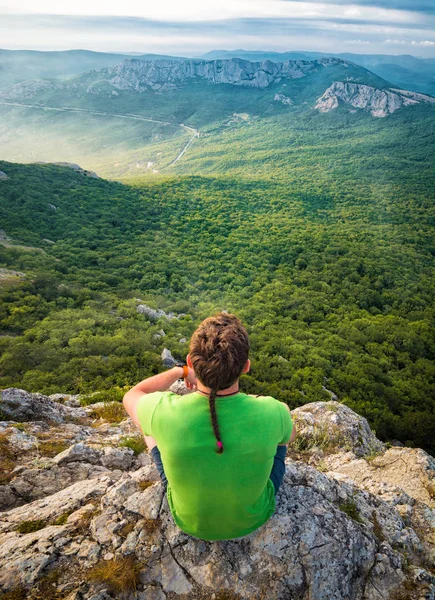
[155,313]
[354,520]
[283,99]
[140,75]
[74,167]
[21,406]
[3,175]
[380,103]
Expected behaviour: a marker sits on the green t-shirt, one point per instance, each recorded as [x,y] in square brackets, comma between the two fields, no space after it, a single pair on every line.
[217,496]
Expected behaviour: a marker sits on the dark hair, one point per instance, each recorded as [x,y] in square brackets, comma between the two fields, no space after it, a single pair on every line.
[219,349]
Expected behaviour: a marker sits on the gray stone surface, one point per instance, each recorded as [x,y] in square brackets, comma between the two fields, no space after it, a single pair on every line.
[380,103]
[19,405]
[357,530]
[140,75]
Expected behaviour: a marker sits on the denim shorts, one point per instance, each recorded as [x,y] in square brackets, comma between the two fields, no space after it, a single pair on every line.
[276,474]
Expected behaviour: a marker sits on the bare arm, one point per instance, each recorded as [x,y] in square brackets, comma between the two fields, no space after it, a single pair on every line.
[156,383]
[293,434]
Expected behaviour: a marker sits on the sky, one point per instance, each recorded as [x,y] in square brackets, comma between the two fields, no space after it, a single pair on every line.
[193,27]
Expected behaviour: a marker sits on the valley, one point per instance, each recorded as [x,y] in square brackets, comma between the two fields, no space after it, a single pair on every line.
[299,196]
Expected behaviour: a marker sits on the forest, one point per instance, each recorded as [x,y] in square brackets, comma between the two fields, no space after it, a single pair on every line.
[332,276]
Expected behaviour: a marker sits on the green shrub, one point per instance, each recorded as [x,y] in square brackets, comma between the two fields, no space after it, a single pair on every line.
[113,395]
[135,442]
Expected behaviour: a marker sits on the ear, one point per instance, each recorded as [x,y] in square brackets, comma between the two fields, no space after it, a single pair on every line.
[247,366]
[189,361]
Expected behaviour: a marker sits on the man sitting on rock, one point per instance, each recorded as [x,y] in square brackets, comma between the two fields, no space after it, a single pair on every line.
[219,451]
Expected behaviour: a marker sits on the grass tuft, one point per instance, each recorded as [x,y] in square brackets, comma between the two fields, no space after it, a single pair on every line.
[50,448]
[350,508]
[145,484]
[18,593]
[31,526]
[119,575]
[326,437]
[114,412]
[62,519]
[7,459]
[135,442]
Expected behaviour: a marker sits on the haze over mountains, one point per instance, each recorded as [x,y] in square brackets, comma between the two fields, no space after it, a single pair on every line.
[405,71]
[171,105]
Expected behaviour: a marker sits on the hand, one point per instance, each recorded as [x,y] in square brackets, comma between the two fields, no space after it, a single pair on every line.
[190,380]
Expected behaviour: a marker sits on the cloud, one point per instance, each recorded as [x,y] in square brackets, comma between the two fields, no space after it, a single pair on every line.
[325,32]
[423,6]
[358,42]
[412,42]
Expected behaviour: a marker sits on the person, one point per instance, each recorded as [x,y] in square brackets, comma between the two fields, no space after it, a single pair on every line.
[220,452]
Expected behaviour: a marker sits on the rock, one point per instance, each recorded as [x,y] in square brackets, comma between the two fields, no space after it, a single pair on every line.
[340,425]
[380,103]
[155,314]
[362,529]
[51,507]
[66,399]
[3,175]
[28,89]
[146,503]
[139,75]
[151,593]
[78,453]
[283,99]
[117,458]
[34,483]
[333,396]
[21,406]
[77,168]
[167,358]
[179,388]
[384,473]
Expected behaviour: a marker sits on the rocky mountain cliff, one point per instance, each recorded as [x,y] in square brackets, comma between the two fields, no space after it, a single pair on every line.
[85,517]
[380,103]
[139,75]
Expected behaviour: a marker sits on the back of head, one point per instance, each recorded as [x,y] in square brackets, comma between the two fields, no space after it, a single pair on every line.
[219,349]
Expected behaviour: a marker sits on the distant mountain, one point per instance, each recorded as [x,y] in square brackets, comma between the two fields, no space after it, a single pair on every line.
[20,65]
[404,71]
[322,84]
[139,75]
[142,115]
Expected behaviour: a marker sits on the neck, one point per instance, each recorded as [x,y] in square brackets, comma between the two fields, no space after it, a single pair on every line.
[234,389]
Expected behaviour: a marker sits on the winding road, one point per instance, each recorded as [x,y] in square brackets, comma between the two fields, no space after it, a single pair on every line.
[117,115]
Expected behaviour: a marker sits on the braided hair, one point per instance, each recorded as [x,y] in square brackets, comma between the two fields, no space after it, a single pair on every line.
[214,421]
[219,349]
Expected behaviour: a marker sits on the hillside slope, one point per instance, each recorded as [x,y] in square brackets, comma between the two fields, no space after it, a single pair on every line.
[334,281]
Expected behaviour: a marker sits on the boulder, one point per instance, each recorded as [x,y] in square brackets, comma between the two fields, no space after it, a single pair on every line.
[19,405]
